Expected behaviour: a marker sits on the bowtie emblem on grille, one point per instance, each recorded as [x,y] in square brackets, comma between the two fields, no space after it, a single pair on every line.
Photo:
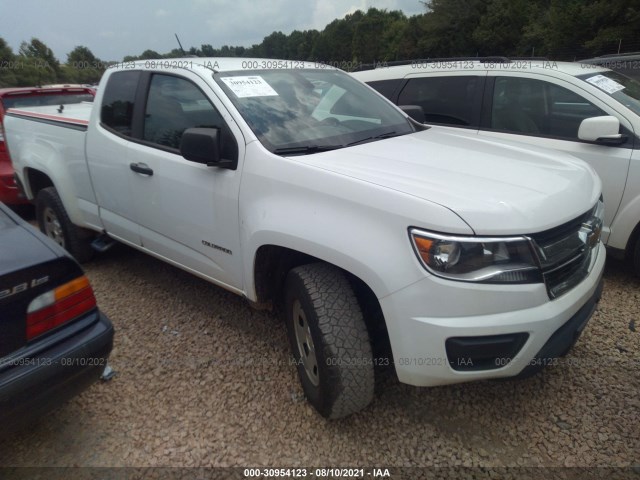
[590,233]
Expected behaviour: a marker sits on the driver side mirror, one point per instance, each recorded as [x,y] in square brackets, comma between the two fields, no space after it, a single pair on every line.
[204,145]
[604,130]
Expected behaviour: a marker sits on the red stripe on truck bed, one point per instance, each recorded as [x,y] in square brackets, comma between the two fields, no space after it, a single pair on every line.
[45,116]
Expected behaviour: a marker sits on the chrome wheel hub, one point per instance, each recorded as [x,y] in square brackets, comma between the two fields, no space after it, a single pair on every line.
[306,348]
[52,227]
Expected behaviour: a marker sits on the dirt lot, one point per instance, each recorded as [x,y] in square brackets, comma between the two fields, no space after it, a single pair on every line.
[203,380]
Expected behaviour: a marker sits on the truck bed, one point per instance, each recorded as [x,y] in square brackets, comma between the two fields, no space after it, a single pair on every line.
[53,142]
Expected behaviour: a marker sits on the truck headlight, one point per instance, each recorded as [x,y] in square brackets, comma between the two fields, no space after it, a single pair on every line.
[477,259]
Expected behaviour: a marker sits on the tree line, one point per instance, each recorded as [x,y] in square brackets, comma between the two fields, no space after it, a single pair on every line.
[556,29]
[35,64]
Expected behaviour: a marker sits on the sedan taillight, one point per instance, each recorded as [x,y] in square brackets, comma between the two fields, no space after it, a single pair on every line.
[58,306]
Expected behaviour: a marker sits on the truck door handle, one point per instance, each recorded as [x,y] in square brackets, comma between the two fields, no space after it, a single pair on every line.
[142,168]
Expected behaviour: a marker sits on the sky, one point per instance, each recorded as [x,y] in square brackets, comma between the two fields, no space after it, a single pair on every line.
[112,29]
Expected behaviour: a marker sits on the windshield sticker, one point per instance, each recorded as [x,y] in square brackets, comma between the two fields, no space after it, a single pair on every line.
[249,86]
[605,84]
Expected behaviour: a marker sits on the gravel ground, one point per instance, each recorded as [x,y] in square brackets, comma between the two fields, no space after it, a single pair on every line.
[203,380]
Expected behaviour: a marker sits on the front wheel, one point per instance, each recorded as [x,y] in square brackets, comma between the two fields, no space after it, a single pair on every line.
[329,340]
[55,224]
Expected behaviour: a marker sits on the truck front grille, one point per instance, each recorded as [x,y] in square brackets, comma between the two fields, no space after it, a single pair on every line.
[566,253]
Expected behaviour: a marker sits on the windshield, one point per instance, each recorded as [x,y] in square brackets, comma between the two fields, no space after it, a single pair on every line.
[306,111]
[620,87]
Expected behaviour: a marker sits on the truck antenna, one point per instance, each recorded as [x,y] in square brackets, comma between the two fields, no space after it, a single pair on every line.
[181,49]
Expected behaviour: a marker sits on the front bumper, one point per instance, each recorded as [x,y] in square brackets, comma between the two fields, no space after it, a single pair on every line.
[30,387]
[539,328]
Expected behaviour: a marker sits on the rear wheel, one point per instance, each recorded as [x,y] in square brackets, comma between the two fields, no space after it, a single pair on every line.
[329,340]
[55,224]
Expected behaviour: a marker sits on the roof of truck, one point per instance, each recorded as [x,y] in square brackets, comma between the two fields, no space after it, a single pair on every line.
[222,64]
[392,70]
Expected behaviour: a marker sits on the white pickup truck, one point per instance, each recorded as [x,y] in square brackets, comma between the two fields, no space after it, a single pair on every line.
[382,242]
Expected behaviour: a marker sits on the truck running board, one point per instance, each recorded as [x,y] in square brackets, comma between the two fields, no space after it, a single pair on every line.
[102,243]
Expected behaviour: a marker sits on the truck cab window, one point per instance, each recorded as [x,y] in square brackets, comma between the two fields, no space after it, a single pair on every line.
[117,103]
[173,105]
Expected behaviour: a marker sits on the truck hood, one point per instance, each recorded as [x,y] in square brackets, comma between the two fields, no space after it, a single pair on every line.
[496,187]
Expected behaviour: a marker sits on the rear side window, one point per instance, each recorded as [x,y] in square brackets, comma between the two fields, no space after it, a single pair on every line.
[446,100]
[117,103]
[386,87]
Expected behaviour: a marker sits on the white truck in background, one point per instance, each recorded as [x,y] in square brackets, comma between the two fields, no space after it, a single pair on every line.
[382,242]
[587,111]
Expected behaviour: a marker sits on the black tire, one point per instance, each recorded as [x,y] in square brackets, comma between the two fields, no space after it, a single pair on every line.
[55,224]
[329,340]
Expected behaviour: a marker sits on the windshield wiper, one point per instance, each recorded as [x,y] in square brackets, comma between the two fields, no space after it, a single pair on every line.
[305,149]
[375,137]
